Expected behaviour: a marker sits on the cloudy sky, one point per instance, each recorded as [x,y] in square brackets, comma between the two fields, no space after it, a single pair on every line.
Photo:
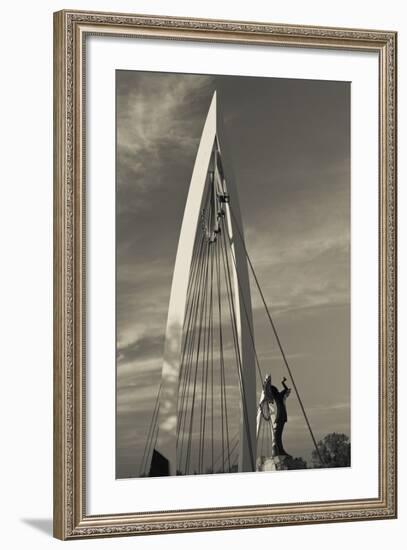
[289,142]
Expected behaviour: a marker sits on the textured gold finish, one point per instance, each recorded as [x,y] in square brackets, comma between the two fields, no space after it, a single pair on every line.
[70,31]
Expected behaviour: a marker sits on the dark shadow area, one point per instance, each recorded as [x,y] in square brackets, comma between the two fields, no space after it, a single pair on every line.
[40,524]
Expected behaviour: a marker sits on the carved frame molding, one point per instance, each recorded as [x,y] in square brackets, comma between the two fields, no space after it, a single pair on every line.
[70,31]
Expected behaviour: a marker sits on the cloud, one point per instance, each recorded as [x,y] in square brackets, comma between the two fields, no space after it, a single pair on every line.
[155,113]
[142,348]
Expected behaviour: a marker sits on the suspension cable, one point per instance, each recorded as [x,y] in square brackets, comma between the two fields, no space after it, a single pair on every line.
[232,312]
[150,433]
[188,457]
[187,391]
[277,339]
[247,318]
[189,346]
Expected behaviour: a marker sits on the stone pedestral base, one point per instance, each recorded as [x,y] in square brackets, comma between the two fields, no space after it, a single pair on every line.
[271,464]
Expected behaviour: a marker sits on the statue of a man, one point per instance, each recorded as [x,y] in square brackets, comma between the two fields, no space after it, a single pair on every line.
[279,417]
[273,409]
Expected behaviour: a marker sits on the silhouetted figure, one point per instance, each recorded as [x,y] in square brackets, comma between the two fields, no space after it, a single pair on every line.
[280,417]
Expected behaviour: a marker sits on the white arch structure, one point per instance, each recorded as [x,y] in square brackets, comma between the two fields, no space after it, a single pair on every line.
[212,138]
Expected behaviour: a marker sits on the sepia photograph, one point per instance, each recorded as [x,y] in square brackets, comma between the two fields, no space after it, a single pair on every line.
[232,274]
[225,297]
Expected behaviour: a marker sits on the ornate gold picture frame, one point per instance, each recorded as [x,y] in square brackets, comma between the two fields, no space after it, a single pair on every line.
[72,519]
